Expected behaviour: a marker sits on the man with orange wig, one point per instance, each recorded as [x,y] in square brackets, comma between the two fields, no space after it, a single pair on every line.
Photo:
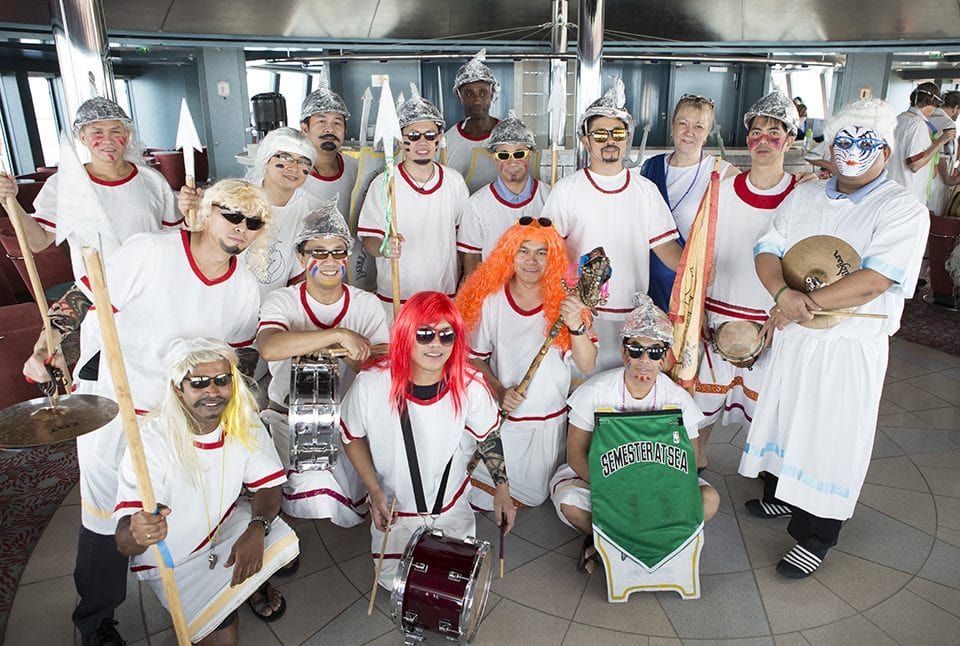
[509,305]
[412,421]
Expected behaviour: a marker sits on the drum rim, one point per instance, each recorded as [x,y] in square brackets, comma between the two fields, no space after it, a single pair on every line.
[739,357]
[483,553]
[400,579]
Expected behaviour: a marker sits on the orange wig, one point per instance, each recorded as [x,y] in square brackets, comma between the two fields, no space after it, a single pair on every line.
[494,273]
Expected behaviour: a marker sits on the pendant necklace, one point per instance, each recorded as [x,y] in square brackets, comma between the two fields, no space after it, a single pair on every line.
[212,533]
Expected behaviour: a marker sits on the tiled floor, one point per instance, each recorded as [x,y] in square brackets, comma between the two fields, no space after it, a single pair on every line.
[893,579]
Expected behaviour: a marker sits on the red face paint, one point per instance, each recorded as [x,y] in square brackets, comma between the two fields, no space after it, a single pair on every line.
[774,142]
[313,267]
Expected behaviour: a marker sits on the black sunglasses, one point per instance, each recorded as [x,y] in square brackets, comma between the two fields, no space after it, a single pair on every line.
[503,155]
[655,352]
[426,335]
[323,254]
[527,220]
[236,217]
[199,383]
[414,135]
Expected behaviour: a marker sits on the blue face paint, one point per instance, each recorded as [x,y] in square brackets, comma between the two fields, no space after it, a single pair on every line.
[855,150]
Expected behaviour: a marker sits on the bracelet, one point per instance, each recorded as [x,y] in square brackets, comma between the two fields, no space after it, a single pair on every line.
[264,520]
[776,297]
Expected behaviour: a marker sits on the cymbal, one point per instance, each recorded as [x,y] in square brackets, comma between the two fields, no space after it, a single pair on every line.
[816,262]
[36,423]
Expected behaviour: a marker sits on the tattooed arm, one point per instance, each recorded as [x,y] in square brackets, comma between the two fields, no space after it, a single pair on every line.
[65,318]
[491,451]
[67,313]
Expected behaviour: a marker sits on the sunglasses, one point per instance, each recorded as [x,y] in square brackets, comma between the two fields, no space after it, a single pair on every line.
[302,162]
[323,254]
[697,98]
[503,155]
[236,217]
[414,135]
[425,336]
[199,383]
[527,220]
[601,135]
[865,144]
[655,352]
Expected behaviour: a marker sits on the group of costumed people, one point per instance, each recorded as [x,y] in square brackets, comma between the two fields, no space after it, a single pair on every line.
[483,271]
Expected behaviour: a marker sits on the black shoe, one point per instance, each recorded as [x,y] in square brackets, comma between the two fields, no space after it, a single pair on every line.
[763,509]
[106,635]
[799,562]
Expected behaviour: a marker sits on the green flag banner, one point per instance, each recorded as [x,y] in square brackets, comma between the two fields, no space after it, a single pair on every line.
[644,484]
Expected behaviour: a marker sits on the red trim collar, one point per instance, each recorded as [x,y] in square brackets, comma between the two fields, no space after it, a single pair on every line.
[517,308]
[519,205]
[760,201]
[416,188]
[331,178]
[209,446]
[597,186]
[468,137]
[209,282]
[119,182]
[313,317]
[433,400]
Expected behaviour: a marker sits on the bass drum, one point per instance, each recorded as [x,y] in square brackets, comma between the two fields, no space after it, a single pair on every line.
[441,586]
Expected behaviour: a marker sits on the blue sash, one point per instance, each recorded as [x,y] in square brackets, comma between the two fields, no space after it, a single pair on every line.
[661,277]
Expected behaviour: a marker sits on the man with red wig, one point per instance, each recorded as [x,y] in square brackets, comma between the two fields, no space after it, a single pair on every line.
[411,423]
[509,305]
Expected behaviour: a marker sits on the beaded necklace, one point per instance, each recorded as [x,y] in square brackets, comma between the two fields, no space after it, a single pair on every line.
[692,184]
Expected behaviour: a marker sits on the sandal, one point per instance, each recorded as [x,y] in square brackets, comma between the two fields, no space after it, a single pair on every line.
[584,559]
[263,604]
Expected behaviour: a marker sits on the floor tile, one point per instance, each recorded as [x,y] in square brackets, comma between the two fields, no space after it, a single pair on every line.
[719,483]
[951,536]
[901,419]
[912,398]
[946,389]
[884,447]
[953,373]
[549,583]
[73,496]
[723,434]
[724,458]
[665,641]
[910,619]
[919,440]
[897,472]
[344,543]
[156,619]
[943,565]
[876,537]
[570,549]
[942,481]
[798,604]
[640,614]
[945,459]
[313,555]
[790,639]
[580,635]
[723,549]
[939,595]
[255,632]
[915,508]
[898,369]
[948,511]
[887,406]
[517,551]
[129,615]
[56,552]
[353,626]
[359,572]
[41,613]
[860,583]
[729,607]
[740,641]
[541,526]
[766,541]
[922,356]
[512,623]
[853,631]
[312,602]
[947,419]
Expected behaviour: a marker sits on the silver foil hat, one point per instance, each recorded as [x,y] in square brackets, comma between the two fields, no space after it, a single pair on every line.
[100,109]
[611,104]
[323,100]
[325,222]
[873,113]
[474,70]
[282,140]
[775,105]
[647,320]
[511,131]
[417,108]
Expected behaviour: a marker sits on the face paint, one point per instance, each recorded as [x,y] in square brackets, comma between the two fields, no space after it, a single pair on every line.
[313,267]
[855,150]
[771,140]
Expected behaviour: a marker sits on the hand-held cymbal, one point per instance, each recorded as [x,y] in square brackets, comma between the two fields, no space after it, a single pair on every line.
[816,262]
[36,423]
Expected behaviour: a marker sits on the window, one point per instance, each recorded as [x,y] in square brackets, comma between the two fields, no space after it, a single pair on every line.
[121,88]
[293,87]
[41,94]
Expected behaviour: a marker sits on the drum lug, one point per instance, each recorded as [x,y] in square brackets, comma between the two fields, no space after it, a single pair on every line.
[412,639]
[456,576]
[410,617]
[444,626]
[419,567]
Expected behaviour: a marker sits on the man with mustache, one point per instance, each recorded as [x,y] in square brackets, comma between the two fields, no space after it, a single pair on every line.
[162,286]
[323,119]
[606,205]
[204,446]
[430,198]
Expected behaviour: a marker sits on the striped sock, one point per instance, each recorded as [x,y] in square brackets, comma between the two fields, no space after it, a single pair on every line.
[799,563]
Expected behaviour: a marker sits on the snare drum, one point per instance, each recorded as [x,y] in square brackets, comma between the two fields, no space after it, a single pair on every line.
[314,413]
[739,342]
[441,586]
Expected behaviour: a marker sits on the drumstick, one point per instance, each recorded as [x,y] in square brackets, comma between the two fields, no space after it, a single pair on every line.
[860,315]
[503,527]
[338,351]
[383,548]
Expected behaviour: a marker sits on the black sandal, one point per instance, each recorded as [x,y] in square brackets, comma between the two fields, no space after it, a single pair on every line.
[258,607]
[594,558]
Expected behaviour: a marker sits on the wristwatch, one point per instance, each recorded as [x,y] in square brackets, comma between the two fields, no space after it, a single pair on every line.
[266,523]
[580,331]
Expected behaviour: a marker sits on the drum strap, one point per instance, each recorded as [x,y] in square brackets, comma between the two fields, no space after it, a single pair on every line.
[414,465]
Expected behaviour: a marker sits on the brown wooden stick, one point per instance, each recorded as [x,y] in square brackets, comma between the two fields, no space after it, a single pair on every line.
[383,548]
[859,315]
[131,429]
[553,165]
[338,351]
[191,213]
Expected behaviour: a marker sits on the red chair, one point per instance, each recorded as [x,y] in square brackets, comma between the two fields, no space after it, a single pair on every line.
[53,265]
[170,165]
[26,193]
[20,327]
[7,270]
[944,233]
[41,174]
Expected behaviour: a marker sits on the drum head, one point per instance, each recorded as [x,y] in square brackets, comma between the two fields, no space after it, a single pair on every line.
[739,342]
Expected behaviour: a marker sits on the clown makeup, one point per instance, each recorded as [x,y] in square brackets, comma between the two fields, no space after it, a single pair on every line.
[855,150]
[766,137]
[106,140]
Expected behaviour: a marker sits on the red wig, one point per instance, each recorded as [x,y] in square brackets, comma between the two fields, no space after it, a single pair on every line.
[426,309]
[498,269]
